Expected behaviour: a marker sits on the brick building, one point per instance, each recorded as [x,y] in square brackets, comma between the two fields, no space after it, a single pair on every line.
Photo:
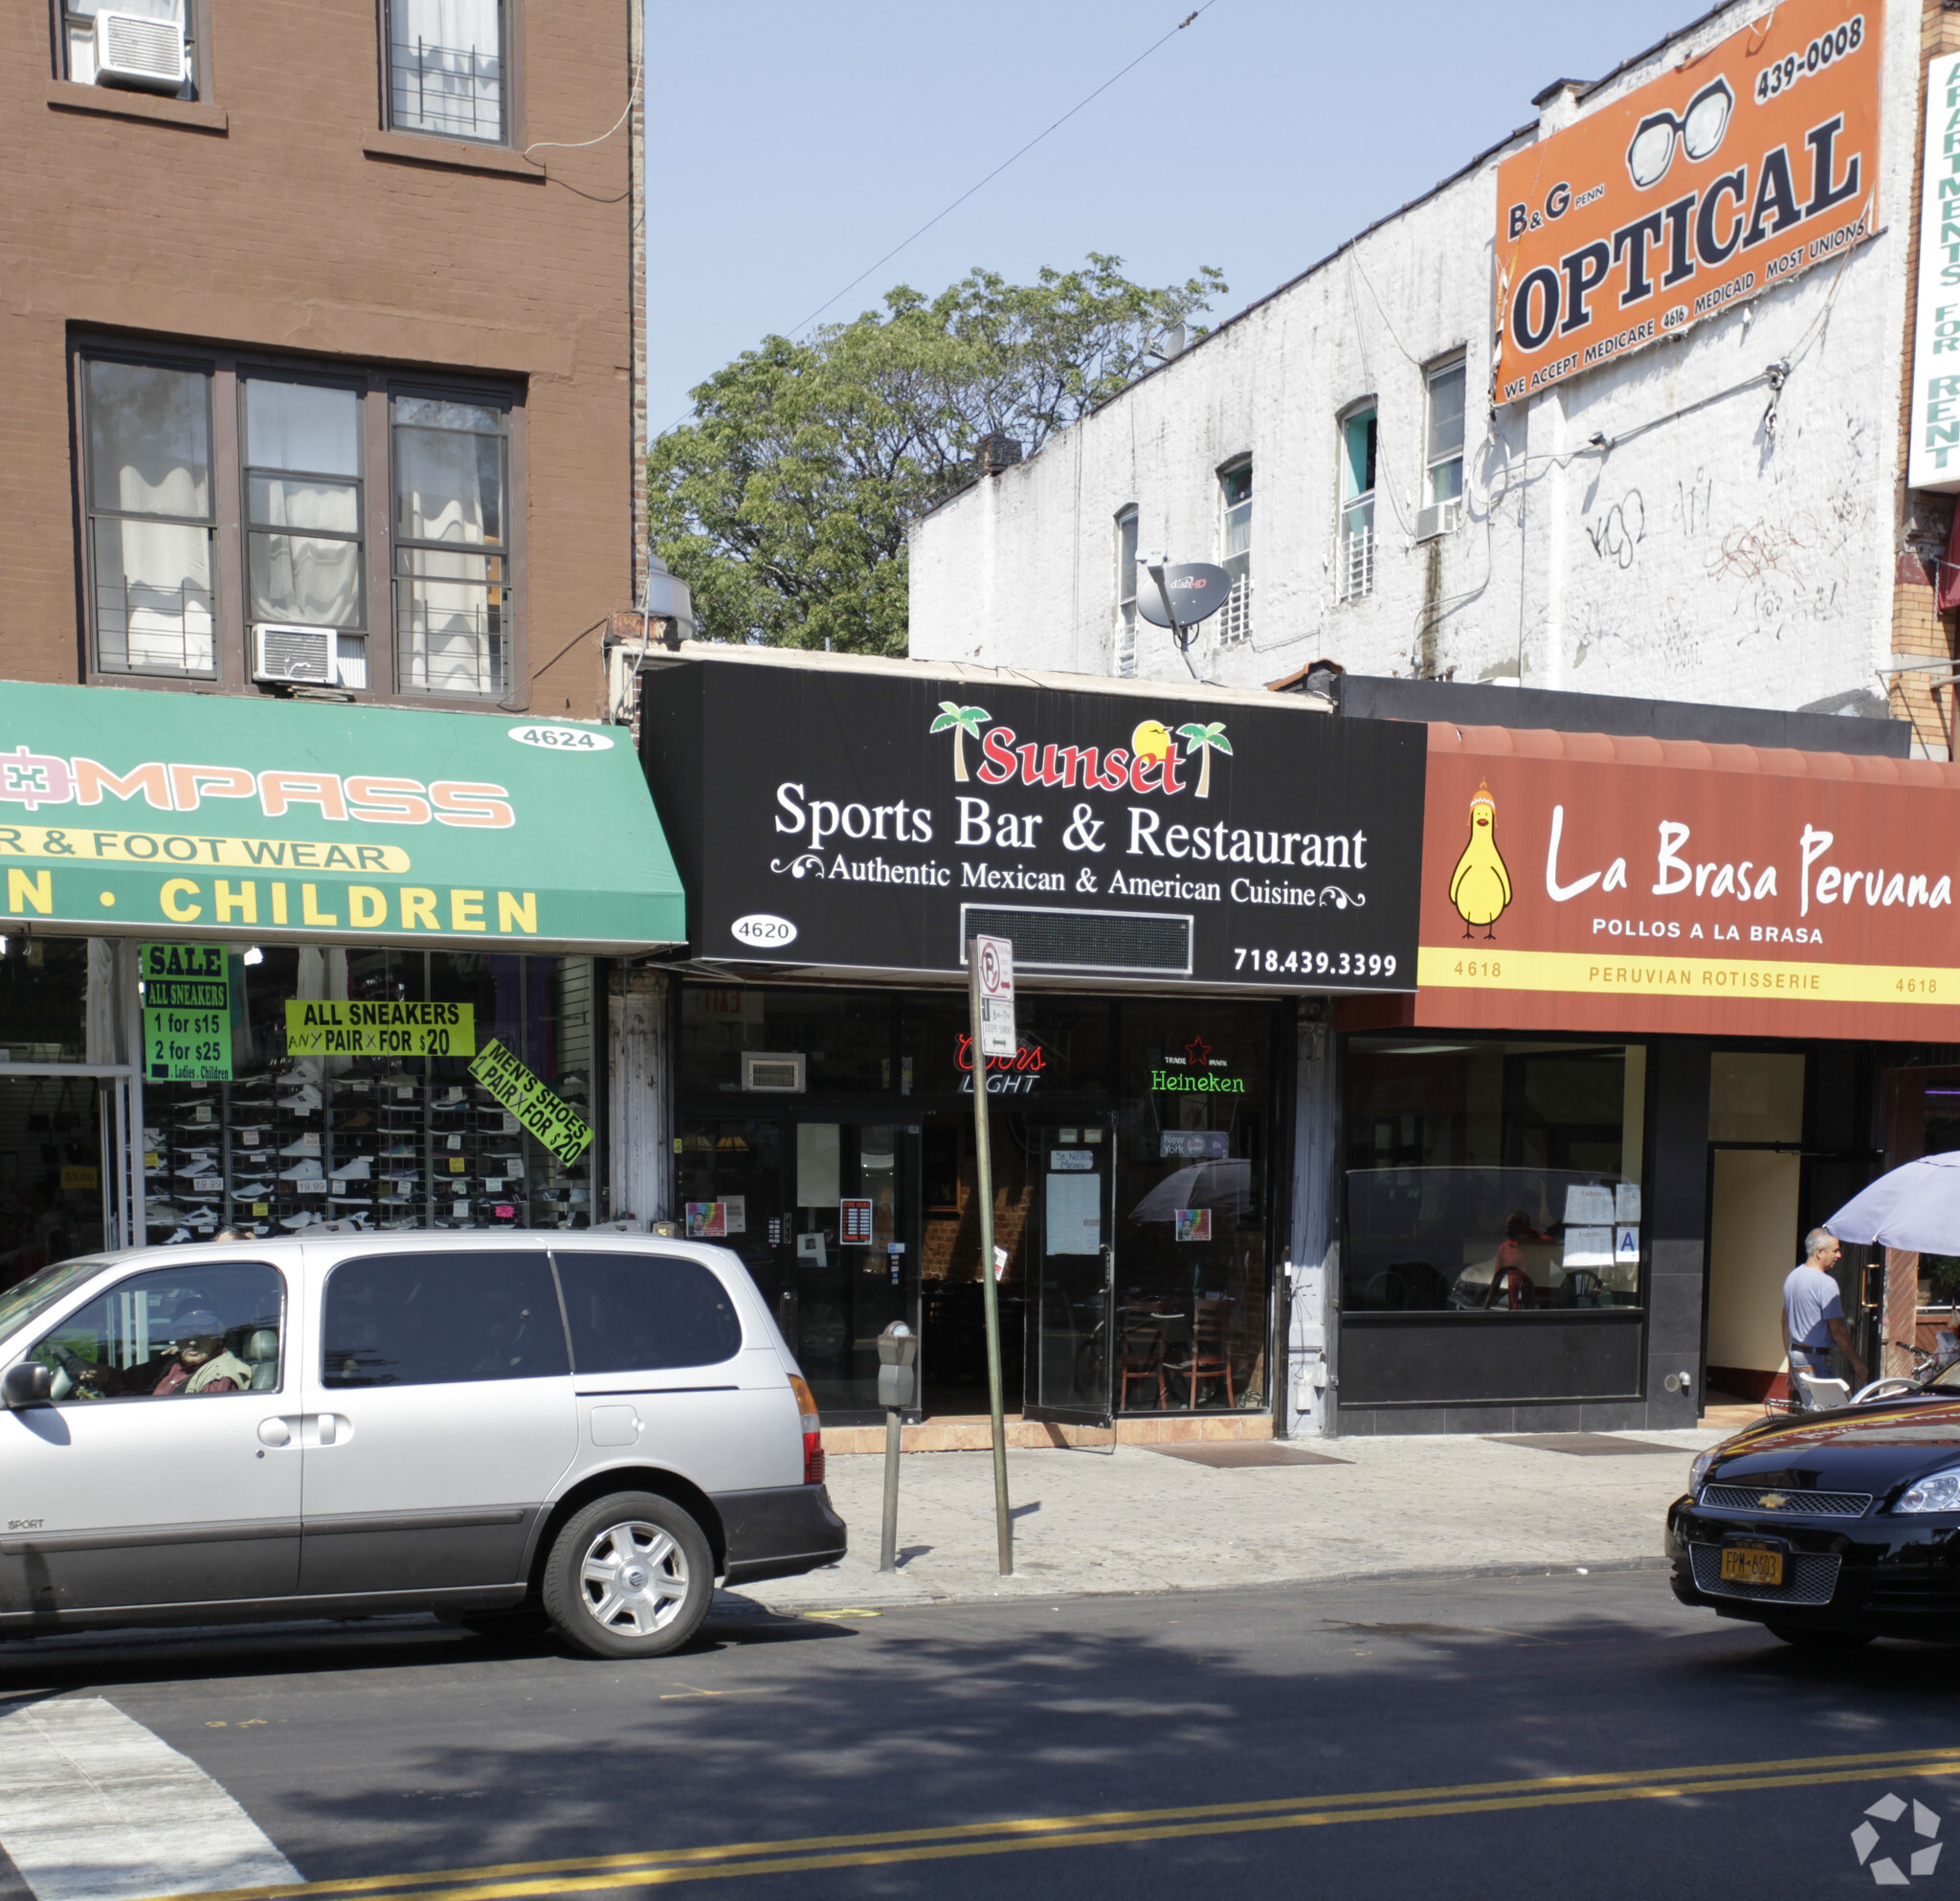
[340,247]
[325,438]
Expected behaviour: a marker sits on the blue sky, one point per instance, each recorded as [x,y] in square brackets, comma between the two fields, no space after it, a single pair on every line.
[792,146]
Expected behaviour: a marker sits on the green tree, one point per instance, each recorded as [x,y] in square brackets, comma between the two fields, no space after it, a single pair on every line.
[783,501]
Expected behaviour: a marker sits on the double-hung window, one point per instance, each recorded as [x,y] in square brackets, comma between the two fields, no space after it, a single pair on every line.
[304,514]
[449,68]
[146,45]
[1235,497]
[352,505]
[451,633]
[1443,459]
[150,518]
[1356,571]
[1126,593]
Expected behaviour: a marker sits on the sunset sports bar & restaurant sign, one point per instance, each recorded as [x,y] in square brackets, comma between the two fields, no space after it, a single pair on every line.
[1750,162]
[1583,881]
[212,817]
[836,819]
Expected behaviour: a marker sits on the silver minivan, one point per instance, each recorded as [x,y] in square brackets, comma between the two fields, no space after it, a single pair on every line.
[593,1427]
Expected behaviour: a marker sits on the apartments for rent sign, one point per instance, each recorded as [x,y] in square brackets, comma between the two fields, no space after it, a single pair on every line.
[1744,167]
[1934,460]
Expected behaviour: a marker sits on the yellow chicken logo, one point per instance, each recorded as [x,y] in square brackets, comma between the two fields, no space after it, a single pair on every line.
[1151,741]
[1480,886]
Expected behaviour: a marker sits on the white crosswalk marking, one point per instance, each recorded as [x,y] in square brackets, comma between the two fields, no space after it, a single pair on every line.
[92,1807]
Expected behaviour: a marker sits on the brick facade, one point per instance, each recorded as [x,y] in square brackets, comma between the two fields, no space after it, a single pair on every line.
[276,214]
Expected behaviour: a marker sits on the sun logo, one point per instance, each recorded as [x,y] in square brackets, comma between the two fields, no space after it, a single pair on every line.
[1480,886]
[1151,741]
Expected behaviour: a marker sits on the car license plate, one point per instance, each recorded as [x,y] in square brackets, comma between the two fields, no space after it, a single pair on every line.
[1751,1565]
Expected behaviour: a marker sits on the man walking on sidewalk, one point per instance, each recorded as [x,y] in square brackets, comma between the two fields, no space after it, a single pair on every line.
[1814,1316]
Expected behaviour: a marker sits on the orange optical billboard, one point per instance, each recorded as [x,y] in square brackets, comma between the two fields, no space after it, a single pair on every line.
[1737,169]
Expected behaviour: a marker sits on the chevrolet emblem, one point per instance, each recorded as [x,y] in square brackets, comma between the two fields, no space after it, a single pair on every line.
[1773,1501]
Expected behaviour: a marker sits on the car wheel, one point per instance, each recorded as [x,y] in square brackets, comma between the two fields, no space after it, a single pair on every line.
[1808,1637]
[631,1576]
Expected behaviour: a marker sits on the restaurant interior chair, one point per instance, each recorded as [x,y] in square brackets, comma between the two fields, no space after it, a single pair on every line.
[1210,1357]
[1140,1350]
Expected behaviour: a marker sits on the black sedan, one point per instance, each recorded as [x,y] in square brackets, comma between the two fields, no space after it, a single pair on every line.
[1833,1528]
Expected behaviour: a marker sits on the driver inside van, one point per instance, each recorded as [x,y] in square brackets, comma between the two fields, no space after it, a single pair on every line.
[202,1363]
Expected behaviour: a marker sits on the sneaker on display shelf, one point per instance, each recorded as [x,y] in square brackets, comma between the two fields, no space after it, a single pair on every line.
[305,1218]
[360,1169]
[304,1145]
[303,1099]
[252,1191]
[307,1170]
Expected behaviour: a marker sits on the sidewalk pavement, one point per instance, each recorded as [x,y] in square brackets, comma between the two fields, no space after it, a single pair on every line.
[1135,1519]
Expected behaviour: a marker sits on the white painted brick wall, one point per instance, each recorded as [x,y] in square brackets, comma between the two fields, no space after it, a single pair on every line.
[1693,559]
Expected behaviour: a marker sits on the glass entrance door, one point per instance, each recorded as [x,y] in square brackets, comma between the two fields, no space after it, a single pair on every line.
[69,1170]
[1070,1364]
[826,1216]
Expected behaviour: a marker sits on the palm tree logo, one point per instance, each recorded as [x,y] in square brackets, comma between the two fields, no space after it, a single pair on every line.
[1204,741]
[960,720]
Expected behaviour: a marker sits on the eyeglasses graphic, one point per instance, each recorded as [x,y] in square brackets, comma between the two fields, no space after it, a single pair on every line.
[1700,130]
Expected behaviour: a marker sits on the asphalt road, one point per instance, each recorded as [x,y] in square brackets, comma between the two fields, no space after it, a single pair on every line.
[1483,1736]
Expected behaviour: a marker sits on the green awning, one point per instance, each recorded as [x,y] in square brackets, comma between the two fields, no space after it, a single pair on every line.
[127,811]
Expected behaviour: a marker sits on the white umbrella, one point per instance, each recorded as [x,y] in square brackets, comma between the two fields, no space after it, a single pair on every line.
[1916,1208]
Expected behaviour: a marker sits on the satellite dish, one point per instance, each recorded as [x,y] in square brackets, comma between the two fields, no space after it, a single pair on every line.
[1196,589]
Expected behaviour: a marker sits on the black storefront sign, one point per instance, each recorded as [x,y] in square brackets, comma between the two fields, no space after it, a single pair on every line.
[852,821]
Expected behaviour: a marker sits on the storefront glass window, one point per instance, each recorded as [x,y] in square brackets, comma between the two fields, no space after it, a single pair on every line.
[813,1209]
[379,1138]
[1157,1114]
[844,1037]
[42,984]
[1064,1049]
[51,1127]
[1755,1096]
[1497,1178]
[1191,1193]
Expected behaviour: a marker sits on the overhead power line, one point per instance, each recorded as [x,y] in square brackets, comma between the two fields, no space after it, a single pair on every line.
[1005,163]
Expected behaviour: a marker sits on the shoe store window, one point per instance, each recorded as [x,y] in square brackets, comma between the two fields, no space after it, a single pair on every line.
[1494,1240]
[63,1099]
[372,1139]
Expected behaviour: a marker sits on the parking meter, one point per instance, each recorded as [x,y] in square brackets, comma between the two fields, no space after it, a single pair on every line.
[897,1346]
[898,1379]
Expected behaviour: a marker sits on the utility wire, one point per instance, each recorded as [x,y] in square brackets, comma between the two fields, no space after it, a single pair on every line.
[805,322]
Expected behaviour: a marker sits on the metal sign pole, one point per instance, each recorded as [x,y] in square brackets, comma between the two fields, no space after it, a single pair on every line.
[983,1159]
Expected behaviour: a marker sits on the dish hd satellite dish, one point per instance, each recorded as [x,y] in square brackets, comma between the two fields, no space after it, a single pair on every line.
[1194,590]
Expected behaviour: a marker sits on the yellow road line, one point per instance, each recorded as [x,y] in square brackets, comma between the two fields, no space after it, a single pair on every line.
[659,1867]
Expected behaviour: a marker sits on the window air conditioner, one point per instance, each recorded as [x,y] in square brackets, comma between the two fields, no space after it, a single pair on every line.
[1440,518]
[773,1073]
[307,656]
[134,50]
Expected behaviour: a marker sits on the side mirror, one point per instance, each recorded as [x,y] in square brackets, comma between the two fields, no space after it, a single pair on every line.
[28,1384]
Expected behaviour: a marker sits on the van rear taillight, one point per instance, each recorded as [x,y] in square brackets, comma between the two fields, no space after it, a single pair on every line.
[812,1430]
